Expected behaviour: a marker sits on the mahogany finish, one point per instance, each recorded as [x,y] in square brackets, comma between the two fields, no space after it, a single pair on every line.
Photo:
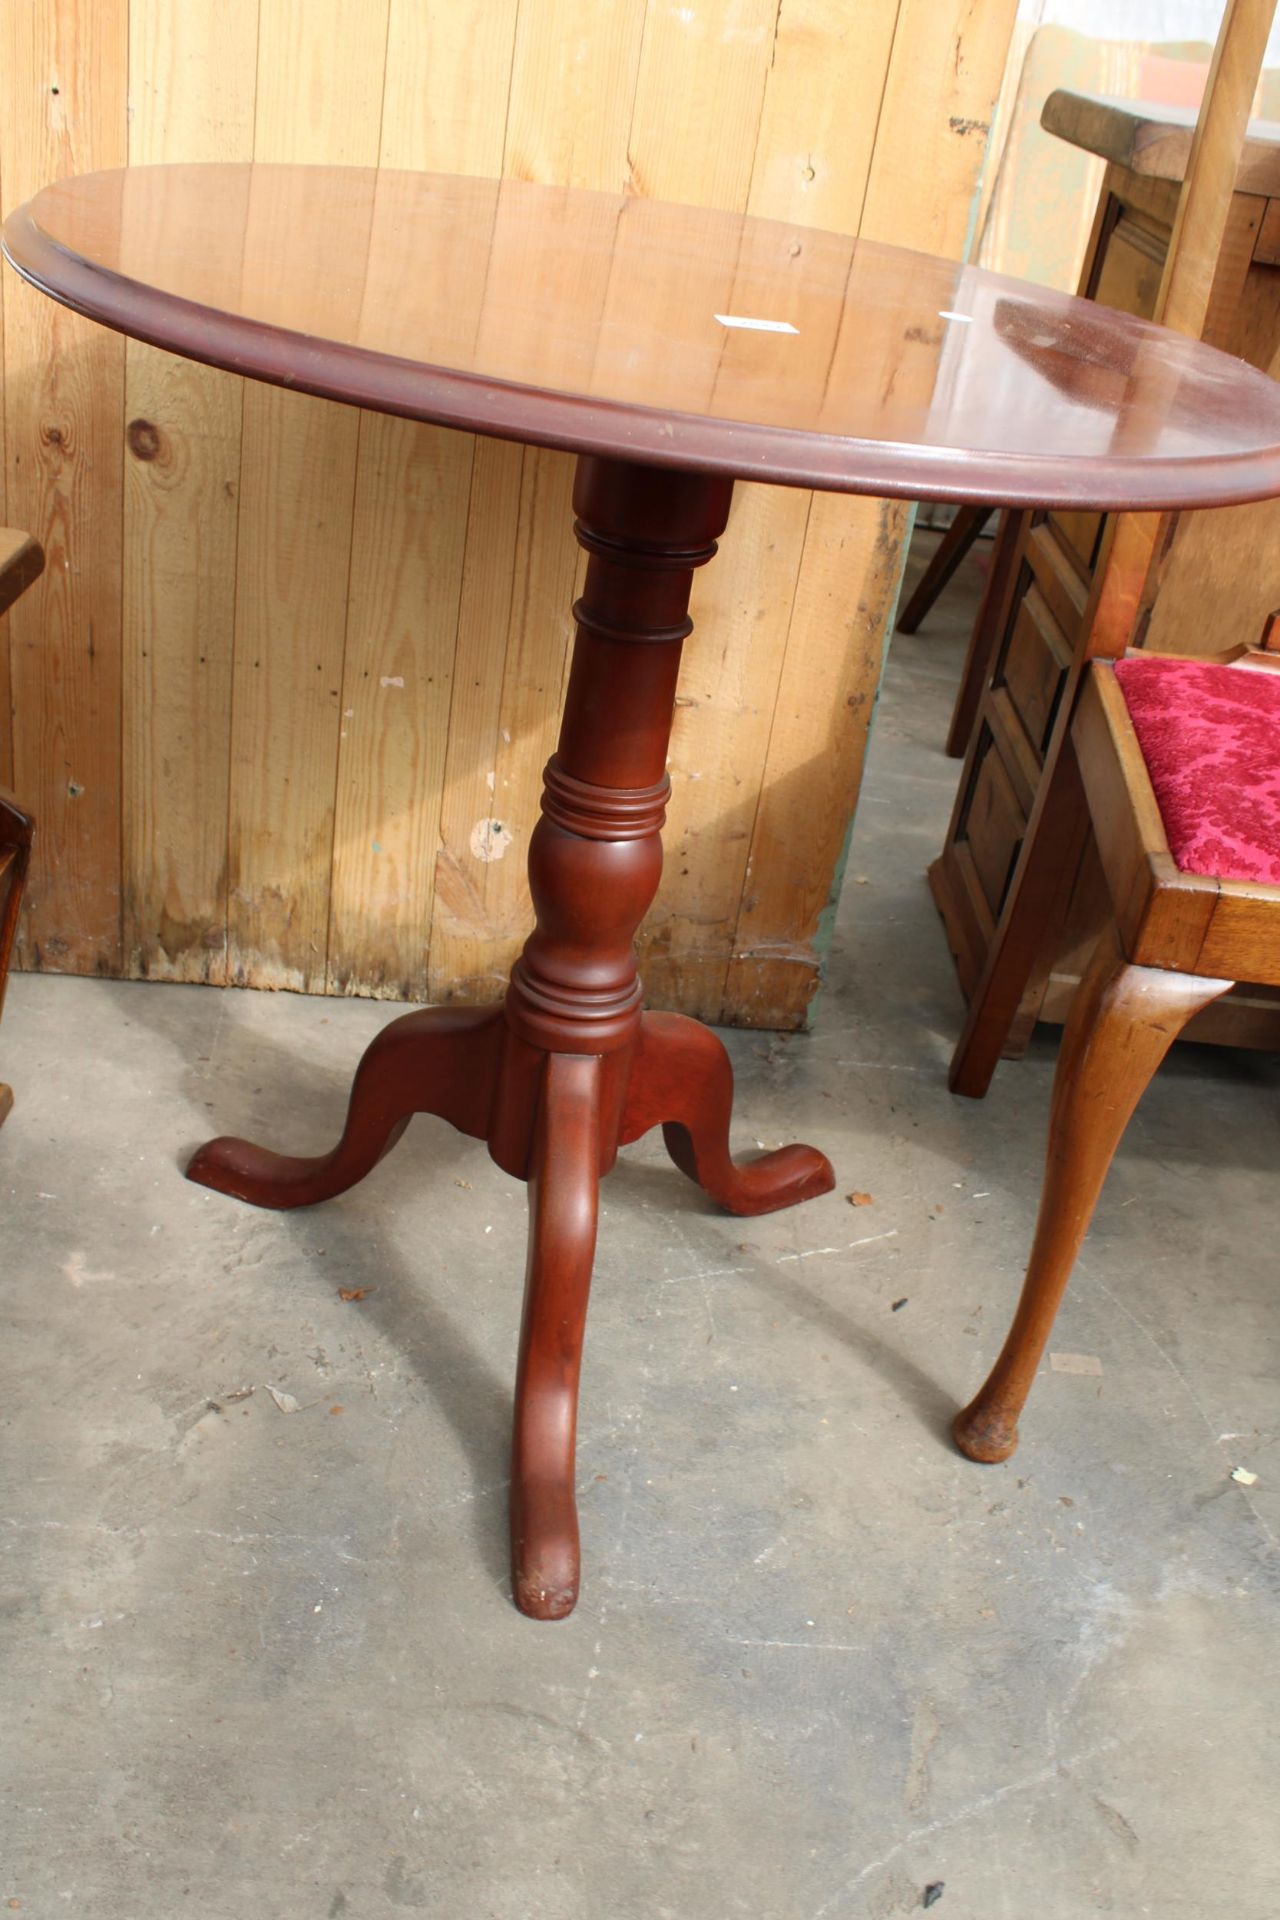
[614,326]
[570,1068]
[595,322]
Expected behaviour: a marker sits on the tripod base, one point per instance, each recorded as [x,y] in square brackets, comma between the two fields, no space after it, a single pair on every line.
[557,1121]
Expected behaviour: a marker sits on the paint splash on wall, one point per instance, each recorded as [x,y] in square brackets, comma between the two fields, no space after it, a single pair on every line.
[490,839]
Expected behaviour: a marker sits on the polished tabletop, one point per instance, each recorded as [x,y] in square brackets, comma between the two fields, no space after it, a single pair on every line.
[666,334]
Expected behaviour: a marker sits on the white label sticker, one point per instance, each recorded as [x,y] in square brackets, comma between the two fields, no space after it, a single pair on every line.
[756,326]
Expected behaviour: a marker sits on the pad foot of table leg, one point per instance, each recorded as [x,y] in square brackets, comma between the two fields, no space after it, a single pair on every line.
[682,1080]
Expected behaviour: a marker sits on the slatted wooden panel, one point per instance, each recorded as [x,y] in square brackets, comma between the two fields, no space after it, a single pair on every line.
[64,111]
[192,92]
[284,695]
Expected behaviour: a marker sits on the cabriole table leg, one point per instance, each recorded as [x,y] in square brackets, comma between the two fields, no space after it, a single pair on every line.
[570,1067]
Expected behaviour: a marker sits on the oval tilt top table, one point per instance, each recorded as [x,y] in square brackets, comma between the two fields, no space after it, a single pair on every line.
[674,350]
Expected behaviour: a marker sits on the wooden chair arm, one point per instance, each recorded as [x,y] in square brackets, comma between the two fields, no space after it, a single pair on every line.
[16,824]
[21,562]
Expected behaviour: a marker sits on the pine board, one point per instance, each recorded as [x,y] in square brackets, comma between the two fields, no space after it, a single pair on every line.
[65,66]
[192,80]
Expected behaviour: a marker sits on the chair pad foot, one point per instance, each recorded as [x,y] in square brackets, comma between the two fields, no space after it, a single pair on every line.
[985,1434]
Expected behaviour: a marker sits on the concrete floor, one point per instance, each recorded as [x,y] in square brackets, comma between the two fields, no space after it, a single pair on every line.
[263,1662]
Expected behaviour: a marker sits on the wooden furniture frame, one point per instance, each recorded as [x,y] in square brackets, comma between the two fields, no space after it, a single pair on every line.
[1186,230]
[21,562]
[571,1067]
[1177,942]
[16,828]
[712,347]
[950,551]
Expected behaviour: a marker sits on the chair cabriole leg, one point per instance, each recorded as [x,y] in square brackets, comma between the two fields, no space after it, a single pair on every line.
[1123,1021]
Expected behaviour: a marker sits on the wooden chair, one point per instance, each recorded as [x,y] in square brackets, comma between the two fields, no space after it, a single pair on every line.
[21,561]
[1124,579]
[1179,762]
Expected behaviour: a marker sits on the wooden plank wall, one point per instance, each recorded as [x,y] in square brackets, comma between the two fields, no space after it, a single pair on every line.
[283,695]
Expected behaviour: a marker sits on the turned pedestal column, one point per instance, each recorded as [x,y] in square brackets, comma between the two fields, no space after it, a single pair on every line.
[570,1067]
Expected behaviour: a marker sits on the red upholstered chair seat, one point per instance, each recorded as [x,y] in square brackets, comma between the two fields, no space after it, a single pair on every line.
[1210,736]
